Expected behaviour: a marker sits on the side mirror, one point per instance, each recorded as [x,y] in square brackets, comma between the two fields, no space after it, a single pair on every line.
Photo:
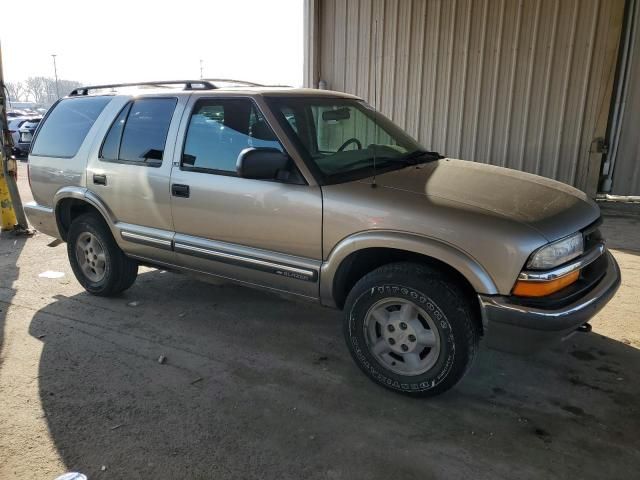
[261,163]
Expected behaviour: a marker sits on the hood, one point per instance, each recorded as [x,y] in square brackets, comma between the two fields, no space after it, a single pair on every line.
[552,208]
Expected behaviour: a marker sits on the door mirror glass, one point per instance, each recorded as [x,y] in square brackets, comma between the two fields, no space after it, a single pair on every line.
[261,163]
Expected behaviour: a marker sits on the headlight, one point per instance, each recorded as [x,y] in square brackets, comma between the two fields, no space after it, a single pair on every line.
[557,253]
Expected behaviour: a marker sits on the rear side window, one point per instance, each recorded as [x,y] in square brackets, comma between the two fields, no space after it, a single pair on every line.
[139,133]
[67,125]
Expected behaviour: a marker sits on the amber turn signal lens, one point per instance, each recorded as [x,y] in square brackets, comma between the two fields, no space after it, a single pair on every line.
[524,288]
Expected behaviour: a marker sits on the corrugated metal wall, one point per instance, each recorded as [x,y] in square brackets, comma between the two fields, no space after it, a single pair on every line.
[522,84]
[626,171]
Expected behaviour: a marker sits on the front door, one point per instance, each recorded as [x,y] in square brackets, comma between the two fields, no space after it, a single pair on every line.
[262,232]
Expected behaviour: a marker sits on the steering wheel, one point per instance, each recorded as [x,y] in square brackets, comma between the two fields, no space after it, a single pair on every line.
[349,142]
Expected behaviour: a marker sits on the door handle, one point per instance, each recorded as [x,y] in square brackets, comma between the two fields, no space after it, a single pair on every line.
[178,190]
[99,179]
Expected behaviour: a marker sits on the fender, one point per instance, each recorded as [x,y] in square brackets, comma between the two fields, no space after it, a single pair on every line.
[461,261]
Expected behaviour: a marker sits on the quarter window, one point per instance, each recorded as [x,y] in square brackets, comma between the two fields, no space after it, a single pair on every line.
[111,145]
[219,129]
[67,125]
[139,133]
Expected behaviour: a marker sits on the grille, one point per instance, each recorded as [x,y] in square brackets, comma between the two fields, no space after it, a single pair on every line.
[592,235]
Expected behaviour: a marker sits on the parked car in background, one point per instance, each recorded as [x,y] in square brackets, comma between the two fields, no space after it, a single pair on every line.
[314,194]
[25,135]
[14,124]
[22,130]
[23,112]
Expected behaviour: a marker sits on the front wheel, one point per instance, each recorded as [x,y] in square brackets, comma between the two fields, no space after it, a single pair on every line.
[410,329]
[97,261]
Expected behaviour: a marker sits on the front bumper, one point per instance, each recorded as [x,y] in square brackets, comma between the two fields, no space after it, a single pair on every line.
[524,329]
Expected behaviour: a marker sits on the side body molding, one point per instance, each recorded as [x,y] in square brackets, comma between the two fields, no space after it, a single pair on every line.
[461,261]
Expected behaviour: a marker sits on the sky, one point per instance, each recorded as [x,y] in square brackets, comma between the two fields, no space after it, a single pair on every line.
[137,40]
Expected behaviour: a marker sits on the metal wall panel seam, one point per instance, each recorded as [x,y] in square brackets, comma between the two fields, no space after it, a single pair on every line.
[565,90]
[394,62]
[357,49]
[345,44]
[534,44]
[449,75]
[465,66]
[434,75]
[371,52]
[407,93]
[602,84]
[481,61]
[380,51]
[512,81]
[631,45]
[496,71]
[423,23]
[585,85]
[547,83]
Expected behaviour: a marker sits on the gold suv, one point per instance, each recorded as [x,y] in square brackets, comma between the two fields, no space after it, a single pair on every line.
[315,194]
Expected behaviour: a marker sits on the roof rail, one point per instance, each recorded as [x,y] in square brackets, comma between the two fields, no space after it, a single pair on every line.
[231,80]
[188,85]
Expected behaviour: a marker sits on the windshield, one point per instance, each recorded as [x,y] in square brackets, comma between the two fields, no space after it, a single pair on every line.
[343,137]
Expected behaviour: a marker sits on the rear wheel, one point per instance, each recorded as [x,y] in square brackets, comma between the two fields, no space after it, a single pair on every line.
[97,262]
[410,329]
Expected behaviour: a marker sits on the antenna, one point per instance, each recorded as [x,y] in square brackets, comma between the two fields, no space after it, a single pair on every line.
[375,101]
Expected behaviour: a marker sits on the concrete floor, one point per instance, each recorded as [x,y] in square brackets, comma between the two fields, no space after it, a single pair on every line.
[258,387]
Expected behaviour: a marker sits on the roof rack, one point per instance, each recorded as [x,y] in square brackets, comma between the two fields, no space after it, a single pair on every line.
[188,85]
[237,82]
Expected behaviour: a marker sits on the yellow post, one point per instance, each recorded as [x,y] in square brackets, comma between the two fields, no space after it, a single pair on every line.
[7,215]
[11,212]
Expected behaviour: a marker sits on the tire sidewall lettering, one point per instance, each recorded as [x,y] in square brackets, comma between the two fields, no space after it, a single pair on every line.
[372,367]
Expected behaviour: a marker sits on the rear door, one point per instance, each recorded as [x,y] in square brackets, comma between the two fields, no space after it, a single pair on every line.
[262,232]
[129,171]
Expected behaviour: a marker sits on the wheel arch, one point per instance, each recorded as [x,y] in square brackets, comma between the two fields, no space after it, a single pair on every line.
[361,253]
[70,202]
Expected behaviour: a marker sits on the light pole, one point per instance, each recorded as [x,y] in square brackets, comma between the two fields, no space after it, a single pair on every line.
[55,72]
[200,69]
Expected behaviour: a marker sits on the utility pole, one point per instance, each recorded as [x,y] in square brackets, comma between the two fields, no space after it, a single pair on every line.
[55,72]
[11,212]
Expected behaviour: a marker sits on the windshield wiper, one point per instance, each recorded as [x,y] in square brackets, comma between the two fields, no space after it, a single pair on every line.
[418,156]
[412,158]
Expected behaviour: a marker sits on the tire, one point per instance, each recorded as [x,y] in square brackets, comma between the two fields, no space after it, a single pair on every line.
[98,263]
[414,307]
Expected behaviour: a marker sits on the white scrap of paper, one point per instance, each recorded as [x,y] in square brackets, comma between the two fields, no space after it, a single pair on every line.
[51,274]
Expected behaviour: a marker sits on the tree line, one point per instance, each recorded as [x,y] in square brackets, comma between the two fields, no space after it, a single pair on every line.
[40,90]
